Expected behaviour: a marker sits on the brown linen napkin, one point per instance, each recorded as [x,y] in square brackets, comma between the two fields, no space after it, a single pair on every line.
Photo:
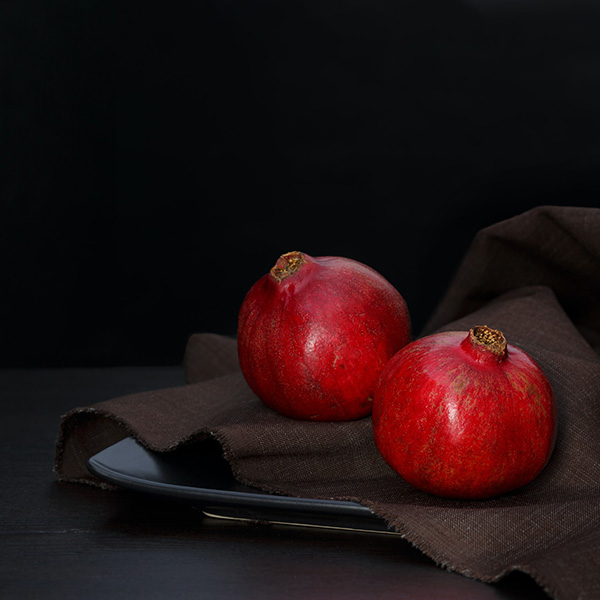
[537,278]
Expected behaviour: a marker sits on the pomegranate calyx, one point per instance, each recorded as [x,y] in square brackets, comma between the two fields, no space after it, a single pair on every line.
[490,342]
[287,264]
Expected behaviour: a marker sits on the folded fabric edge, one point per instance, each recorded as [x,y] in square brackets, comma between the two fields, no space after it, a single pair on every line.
[444,562]
[72,452]
[64,443]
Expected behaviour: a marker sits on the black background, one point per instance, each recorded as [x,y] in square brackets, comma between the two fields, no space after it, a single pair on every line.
[158,158]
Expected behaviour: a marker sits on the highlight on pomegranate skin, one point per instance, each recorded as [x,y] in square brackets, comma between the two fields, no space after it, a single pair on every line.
[465,415]
[314,335]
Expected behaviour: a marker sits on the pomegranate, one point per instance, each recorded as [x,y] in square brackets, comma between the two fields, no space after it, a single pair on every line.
[464,415]
[315,333]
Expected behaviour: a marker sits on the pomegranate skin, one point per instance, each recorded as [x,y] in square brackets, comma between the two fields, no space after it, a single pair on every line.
[460,416]
[315,333]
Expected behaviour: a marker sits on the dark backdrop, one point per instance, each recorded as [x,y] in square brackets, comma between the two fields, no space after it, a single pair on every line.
[158,158]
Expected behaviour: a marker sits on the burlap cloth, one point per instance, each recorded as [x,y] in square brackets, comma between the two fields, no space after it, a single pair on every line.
[536,277]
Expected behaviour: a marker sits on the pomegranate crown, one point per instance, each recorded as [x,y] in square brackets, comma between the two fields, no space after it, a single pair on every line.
[287,264]
[488,338]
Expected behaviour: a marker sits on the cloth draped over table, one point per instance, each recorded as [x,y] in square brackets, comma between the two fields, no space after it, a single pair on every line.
[536,277]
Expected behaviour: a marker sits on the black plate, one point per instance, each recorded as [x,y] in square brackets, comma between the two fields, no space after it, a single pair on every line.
[204,478]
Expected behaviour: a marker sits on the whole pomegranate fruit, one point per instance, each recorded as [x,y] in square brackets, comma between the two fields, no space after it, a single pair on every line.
[464,417]
[315,333]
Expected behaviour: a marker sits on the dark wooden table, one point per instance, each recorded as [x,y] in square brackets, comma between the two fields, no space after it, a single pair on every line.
[66,541]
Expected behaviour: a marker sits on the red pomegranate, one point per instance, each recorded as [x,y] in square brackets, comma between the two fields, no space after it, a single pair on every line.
[465,415]
[315,333]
